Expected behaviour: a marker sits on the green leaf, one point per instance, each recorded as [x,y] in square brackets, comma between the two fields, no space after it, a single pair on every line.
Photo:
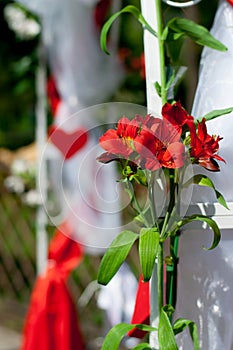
[115,256]
[114,336]
[142,346]
[128,9]
[148,249]
[166,335]
[144,216]
[145,327]
[171,80]
[181,324]
[215,113]
[196,32]
[140,177]
[203,180]
[210,222]
[158,88]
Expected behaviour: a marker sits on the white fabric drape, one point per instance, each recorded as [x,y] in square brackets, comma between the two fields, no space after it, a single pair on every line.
[84,74]
[205,284]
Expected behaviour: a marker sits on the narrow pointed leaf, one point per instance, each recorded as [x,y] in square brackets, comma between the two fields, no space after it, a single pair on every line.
[158,88]
[115,255]
[215,113]
[171,80]
[145,327]
[196,32]
[148,249]
[181,324]
[166,335]
[128,9]
[142,346]
[114,336]
[210,222]
[203,180]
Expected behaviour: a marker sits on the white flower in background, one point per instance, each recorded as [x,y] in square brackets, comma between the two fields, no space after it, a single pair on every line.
[24,26]
[14,184]
[31,198]
[19,166]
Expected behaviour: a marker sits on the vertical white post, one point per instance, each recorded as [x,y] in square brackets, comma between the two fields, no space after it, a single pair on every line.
[41,139]
[154,105]
[152,62]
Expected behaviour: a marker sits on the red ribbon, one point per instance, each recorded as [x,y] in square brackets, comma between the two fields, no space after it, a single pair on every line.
[230,2]
[100,12]
[52,322]
[142,308]
[53,95]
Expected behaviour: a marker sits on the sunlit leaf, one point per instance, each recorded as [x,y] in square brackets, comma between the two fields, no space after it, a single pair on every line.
[142,346]
[148,249]
[196,32]
[203,180]
[180,325]
[128,9]
[115,335]
[215,113]
[210,222]
[115,255]
[166,335]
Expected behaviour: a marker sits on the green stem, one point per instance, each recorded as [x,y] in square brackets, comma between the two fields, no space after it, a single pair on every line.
[172,271]
[152,198]
[158,5]
[160,277]
[136,207]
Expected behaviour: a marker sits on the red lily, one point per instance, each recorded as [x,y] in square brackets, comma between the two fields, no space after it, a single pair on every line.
[160,146]
[204,147]
[176,115]
[120,141]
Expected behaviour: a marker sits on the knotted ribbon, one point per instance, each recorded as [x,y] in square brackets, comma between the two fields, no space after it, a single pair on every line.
[52,322]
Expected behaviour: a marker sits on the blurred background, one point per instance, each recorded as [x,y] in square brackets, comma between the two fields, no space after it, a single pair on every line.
[20,33]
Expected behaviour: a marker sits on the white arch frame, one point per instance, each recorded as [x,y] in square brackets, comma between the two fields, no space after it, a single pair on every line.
[181,4]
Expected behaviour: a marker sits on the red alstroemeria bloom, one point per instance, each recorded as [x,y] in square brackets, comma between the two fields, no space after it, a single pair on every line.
[119,142]
[204,147]
[159,146]
[177,115]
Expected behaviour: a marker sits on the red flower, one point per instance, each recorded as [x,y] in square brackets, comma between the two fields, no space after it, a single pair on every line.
[204,147]
[149,142]
[120,141]
[159,146]
[177,115]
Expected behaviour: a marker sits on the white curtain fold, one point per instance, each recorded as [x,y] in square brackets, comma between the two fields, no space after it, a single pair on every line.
[205,284]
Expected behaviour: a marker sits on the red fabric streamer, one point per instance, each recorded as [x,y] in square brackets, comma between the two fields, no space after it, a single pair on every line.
[100,12]
[52,322]
[53,95]
[142,308]
[231,2]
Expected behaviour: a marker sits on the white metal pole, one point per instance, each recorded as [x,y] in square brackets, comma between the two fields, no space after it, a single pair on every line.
[152,62]
[154,105]
[41,139]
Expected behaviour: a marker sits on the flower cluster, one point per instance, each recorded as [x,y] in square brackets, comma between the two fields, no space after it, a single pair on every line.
[152,143]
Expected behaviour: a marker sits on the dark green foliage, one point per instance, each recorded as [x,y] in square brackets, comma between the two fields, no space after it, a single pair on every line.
[18,62]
